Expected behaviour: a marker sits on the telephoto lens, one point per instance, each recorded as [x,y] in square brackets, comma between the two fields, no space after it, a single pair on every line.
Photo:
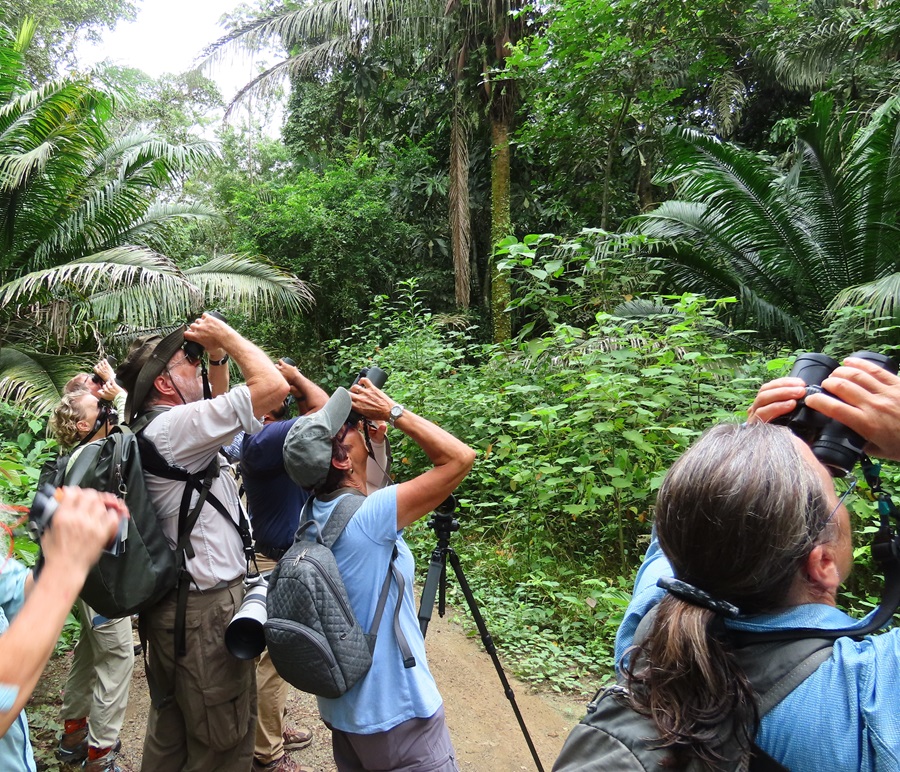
[244,636]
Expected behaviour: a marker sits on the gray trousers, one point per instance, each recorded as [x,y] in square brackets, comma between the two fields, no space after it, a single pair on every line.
[417,745]
[100,677]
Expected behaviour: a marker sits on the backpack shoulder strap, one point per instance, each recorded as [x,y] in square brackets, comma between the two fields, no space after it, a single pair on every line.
[760,761]
[153,463]
[342,513]
[86,456]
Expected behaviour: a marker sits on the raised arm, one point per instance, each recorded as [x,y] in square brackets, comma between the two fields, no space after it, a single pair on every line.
[267,386]
[310,397]
[451,457]
[83,524]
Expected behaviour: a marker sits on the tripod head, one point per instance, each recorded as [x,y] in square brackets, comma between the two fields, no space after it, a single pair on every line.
[442,522]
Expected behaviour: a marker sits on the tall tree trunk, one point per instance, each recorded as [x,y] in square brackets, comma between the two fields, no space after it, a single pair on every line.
[608,166]
[501,226]
[460,216]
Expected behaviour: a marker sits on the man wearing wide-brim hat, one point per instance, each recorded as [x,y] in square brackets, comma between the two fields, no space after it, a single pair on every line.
[204,700]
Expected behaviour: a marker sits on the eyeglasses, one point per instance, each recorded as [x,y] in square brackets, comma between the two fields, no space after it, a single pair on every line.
[362,426]
[190,360]
[844,487]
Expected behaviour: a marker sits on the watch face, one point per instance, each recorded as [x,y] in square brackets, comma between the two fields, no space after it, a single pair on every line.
[396,412]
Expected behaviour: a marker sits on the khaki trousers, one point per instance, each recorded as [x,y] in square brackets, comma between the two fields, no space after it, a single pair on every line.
[271,693]
[208,724]
[100,677]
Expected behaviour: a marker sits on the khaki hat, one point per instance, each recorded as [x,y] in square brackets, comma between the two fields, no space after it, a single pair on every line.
[146,359]
[307,447]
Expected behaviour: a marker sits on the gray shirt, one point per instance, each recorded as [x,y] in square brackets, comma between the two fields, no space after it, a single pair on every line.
[191,436]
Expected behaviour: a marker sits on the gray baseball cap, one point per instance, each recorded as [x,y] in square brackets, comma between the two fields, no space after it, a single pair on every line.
[307,447]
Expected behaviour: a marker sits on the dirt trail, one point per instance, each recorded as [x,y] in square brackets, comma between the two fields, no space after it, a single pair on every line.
[482,724]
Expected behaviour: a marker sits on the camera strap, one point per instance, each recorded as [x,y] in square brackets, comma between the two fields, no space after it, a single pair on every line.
[885,551]
[204,373]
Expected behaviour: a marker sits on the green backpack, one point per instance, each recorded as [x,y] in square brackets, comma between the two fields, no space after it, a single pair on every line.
[146,569]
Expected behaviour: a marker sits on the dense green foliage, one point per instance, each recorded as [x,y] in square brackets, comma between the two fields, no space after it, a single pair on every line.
[722,178]
[345,230]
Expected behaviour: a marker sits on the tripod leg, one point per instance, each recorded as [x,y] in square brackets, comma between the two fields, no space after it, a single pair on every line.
[436,569]
[491,650]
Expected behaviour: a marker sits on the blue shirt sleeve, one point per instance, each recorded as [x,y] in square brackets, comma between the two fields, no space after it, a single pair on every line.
[377,518]
[12,591]
[645,596]
[12,597]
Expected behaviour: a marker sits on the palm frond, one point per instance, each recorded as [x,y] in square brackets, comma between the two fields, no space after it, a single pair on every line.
[882,297]
[251,284]
[117,267]
[35,380]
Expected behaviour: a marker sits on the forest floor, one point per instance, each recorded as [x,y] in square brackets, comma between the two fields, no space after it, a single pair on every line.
[482,723]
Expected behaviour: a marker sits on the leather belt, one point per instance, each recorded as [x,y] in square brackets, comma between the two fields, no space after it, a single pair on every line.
[272,553]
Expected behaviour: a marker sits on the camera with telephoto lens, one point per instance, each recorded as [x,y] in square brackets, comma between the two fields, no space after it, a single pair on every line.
[44,507]
[377,376]
[192,349]
[833,444]
[244,636]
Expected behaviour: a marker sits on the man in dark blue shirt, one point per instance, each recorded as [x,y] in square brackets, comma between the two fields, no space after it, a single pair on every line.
[274,502]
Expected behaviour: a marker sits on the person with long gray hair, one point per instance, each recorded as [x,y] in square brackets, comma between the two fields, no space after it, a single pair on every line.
[757,534]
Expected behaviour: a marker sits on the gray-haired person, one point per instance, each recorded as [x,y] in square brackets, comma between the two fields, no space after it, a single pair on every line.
[204,711]
[749,518]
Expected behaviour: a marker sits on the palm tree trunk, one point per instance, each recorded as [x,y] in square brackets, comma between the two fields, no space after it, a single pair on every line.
[501,226]
[460,215]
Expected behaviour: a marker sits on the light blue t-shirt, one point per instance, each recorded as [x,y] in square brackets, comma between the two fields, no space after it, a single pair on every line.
[389,693]
[846,715]
[15,747]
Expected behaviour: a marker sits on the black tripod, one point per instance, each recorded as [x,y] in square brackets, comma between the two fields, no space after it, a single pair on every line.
[443,523]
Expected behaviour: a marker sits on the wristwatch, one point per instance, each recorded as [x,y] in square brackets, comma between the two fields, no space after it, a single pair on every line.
[396,412]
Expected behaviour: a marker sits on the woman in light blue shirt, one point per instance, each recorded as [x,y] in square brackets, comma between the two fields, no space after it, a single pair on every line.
[393,717]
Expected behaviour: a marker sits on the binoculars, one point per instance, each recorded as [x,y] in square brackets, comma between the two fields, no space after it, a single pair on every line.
[832,443]
[377,376]
[192,349]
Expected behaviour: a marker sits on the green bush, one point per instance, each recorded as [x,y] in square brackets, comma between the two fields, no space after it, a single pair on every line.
[574,431]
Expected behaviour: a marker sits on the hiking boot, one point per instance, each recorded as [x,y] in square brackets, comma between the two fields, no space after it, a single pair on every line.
[73,745]
[284,764]
[103,759]
[295,739]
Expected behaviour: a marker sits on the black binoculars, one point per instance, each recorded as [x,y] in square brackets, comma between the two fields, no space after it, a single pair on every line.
[193,350]
[832,443]
[377,376]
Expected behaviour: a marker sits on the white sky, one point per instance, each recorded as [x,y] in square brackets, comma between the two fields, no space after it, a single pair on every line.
[167,37]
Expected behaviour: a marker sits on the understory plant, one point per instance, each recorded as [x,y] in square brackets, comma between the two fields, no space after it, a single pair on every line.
[574,430]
